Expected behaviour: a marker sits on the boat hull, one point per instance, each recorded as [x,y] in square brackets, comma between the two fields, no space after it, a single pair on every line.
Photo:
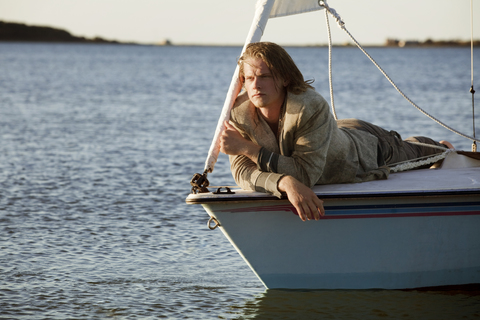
[359,244]
[416,229]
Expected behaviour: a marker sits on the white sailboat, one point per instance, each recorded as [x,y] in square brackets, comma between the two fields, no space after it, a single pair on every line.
[409,231]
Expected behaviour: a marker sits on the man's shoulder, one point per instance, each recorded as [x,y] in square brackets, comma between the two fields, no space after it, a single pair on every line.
[241,99]
[242,108]
[308,102]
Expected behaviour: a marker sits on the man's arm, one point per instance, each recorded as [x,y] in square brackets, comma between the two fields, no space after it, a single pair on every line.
[233,144]
[304,200]
[300,196]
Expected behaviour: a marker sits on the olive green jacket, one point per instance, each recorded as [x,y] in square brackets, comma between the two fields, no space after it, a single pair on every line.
[310,147]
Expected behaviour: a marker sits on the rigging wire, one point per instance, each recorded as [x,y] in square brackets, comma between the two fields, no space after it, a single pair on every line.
[341,24]
[330,79]
[472,90]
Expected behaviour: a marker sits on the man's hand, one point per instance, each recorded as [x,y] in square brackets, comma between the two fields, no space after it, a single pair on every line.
[302,198]
[233,143]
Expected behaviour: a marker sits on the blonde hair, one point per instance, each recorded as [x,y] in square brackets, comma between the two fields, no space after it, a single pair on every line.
[279,62]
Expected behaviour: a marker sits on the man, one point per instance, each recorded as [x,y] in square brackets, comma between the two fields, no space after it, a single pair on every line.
[283,138]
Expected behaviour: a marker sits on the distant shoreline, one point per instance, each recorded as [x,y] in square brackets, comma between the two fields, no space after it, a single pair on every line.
[19,32]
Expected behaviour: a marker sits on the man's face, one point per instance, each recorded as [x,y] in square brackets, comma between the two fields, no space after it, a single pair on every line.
[262,88]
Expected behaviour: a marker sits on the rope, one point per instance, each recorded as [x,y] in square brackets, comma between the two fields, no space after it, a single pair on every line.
[330,78]
[415,163]
[428,145]
[341,24]
[411,164]
[472,91]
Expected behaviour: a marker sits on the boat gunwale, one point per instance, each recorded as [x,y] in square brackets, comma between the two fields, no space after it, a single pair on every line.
[215,198]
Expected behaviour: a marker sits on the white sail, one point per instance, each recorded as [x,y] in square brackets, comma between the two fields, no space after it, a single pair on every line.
[288,7]
[265,9]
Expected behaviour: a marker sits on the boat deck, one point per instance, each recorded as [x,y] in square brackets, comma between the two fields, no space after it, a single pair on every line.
[459,174]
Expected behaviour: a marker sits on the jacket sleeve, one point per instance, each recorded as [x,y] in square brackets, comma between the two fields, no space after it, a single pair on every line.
[250,177]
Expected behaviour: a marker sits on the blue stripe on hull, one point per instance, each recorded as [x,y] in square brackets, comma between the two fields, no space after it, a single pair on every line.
[399,210]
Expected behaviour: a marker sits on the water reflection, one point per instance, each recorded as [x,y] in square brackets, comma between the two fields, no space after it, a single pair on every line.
[365,304]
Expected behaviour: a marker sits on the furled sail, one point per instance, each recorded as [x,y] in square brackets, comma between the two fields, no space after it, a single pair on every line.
[265,9]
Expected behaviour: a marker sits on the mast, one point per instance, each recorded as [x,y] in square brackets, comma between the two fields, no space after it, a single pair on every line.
[262,13]
[199,181]
[265,9]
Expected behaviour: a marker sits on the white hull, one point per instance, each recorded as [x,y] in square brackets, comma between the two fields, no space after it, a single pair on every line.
[416,229]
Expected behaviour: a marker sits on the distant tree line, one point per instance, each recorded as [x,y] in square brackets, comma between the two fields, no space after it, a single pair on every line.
[10,31]
[429,43]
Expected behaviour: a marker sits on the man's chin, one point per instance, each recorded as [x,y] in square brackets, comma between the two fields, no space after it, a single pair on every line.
[259,103]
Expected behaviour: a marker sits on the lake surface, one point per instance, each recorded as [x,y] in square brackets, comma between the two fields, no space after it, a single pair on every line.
[98,144]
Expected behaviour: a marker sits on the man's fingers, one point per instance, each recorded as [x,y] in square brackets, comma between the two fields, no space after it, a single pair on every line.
[303,199]
[319,204]
[302,215]
[300,211]
[311,210]
[228,126]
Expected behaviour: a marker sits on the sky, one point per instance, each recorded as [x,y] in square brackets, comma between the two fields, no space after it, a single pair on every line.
[227,22]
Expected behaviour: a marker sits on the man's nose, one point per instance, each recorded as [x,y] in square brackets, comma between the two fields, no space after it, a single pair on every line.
[256,82]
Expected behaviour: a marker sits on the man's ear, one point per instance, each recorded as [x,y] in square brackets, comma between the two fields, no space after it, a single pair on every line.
[242,81]
[286,83]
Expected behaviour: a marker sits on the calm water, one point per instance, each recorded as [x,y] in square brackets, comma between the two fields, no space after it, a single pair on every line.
[98,144]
